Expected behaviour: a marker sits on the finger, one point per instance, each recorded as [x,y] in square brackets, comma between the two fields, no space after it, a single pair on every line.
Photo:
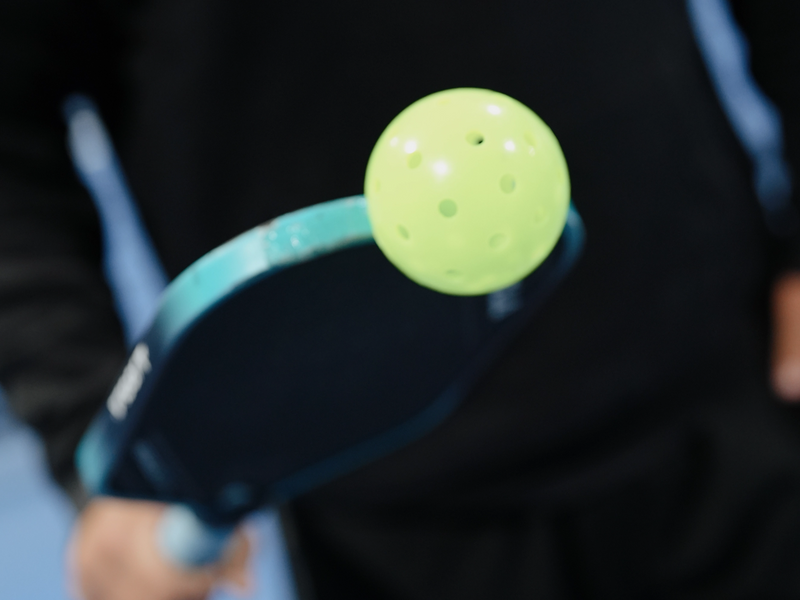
[116,557]
[786,337]
[166,580]
[234,572]
[98,562]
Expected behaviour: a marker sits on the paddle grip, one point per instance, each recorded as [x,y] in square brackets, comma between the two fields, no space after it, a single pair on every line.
[187,541]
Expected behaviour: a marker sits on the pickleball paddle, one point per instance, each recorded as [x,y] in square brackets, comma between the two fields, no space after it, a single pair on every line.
[297,351]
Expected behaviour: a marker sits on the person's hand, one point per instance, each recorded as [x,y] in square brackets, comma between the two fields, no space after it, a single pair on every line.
[786,337]
[114,556]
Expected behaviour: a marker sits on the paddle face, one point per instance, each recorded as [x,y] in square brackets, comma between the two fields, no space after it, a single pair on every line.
[318,356]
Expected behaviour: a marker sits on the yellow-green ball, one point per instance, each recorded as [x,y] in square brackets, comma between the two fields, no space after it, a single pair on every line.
[467,190]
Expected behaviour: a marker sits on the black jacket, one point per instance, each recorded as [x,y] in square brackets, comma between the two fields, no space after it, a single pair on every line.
[228,114]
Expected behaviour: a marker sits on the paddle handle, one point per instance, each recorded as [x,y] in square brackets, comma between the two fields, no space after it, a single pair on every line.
[187,540]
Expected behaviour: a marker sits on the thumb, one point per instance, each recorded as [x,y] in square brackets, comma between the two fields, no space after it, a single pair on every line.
[235,571]
[786,337]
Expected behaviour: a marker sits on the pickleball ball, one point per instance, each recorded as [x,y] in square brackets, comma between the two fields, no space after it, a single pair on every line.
[467,191]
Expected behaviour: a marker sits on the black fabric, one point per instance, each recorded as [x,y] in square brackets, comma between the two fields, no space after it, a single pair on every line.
[61,343]
[625,406]
[696,500]
[773,26]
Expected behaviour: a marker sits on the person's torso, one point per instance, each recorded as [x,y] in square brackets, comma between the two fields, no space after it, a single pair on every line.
[243,112]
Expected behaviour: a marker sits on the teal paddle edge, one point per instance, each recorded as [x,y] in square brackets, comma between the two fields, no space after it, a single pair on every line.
[285,241]
[288,240]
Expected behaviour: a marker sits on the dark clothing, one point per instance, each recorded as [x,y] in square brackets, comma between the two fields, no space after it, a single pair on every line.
[699,501]
[604,454]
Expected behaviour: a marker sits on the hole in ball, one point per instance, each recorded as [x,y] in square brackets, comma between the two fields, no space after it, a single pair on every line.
[530,139]
[508,183]
[376,186]
[403,232]
[448,208]
[414,159]
[498,240]
[453,273]
[475,138]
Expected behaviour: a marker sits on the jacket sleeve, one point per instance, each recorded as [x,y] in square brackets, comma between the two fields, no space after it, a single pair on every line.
[771,28]
[60,341]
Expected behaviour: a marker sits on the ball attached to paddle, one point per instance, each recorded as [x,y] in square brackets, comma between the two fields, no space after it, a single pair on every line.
[467,191]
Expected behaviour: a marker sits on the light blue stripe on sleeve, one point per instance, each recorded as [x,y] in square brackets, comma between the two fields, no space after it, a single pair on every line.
[753,117]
